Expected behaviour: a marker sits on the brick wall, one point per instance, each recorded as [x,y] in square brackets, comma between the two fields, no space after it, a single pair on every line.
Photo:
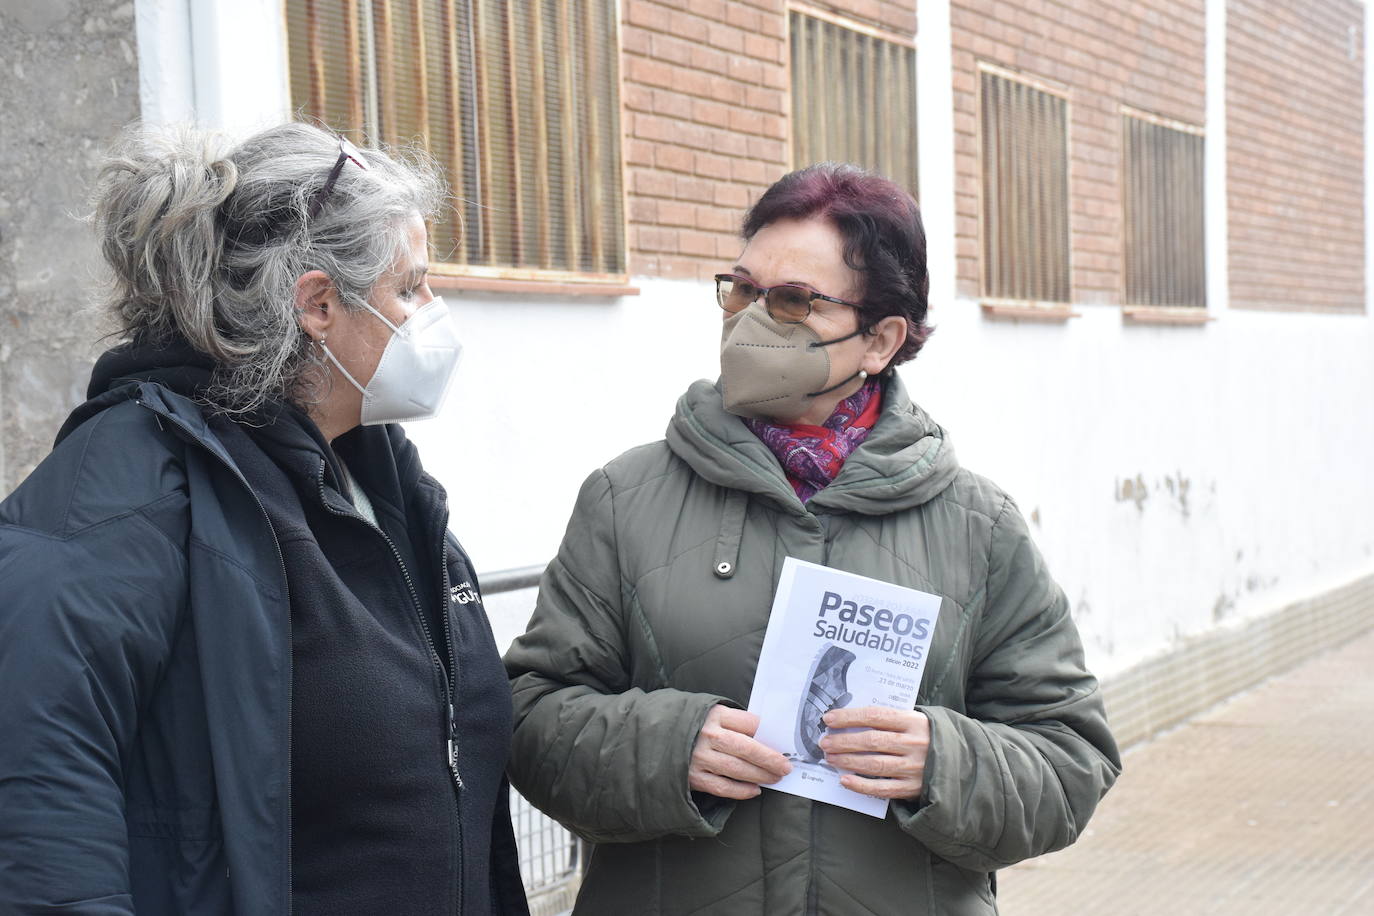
[1295,173]
[898,16]
[707,127]
[707,120]
[705,90]
[1148,54]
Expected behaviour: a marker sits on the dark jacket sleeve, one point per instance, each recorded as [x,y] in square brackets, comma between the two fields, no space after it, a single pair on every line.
[1019,772]
[87,619]
[507,887]
[606,758]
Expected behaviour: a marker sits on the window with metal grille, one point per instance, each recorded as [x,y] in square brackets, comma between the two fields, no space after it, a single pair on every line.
[1025,191]
[853,97]
[518,102]
[1163,234]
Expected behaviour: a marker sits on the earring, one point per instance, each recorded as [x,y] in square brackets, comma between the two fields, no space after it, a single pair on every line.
[863,376]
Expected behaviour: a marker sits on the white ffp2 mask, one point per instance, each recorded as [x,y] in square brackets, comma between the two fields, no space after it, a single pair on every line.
[416,368]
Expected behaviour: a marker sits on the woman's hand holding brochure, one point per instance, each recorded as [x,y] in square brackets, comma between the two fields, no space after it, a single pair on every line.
[728,762]
[885,760]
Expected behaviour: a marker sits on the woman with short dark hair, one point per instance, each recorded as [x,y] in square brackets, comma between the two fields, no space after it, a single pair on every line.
[631,680]
[244,666]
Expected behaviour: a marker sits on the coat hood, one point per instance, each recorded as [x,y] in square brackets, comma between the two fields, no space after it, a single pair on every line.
[174,364]
[906,460]
[147,370]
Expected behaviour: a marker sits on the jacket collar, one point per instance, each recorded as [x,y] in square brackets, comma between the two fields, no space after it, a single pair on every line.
[906,460]
[169,376]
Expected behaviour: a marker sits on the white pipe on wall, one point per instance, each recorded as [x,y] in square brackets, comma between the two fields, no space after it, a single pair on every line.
[935,142]
[1214,161]
[166,78]
[218,63]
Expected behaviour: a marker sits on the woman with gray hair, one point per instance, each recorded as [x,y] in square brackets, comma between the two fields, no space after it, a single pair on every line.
[244,667]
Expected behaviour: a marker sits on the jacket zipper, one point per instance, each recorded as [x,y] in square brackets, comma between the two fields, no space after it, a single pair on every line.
[812,891]
[822,524]
[415,604]
[446,605]
[286,592]
[449,685]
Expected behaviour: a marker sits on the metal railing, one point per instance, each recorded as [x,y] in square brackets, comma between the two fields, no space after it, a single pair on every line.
[511,580]
[551,859]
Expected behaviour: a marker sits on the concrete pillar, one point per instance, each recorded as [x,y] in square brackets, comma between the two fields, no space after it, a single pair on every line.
[68,83]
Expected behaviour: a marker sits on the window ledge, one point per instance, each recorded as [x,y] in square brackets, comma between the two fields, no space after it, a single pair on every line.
[1163,314]
[535,286]
[1003,310]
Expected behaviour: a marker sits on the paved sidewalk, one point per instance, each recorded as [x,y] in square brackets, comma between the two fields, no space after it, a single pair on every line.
[1262,805]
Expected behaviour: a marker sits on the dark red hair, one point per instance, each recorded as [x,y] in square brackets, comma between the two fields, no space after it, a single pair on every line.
[884,241]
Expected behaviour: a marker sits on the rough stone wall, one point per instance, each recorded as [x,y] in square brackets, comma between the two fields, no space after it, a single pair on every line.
[68,83]
[1295,151]
[1148,54]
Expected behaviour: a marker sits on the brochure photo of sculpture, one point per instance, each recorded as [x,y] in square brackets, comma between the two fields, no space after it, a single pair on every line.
[835,640]
[825,690]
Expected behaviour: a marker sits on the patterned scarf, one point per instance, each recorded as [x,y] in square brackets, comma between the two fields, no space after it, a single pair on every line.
[812,456]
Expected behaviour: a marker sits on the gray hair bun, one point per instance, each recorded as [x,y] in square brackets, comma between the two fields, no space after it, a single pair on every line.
[205,241]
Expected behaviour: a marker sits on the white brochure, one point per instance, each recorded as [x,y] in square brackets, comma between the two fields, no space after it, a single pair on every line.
[835,639]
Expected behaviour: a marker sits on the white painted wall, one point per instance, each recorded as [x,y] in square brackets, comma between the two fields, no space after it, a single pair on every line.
[1252,435]
[550,389]
[219,63]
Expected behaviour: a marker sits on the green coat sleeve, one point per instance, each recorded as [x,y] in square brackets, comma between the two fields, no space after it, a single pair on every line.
[605,757]
[1020,772]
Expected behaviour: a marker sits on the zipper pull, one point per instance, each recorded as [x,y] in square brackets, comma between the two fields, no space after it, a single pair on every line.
[453,750]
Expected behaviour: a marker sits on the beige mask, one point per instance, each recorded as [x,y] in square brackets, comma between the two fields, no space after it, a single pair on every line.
[770,370]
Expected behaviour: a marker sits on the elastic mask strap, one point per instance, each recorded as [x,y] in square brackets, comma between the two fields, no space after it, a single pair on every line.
[338,365]
[335,360]
[825,343]
[860,374]
[394,328]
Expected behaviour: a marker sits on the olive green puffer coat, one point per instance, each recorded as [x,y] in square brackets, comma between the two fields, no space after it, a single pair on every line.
[655,609]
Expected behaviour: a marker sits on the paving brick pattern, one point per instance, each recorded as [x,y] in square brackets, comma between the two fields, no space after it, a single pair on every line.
[1262,806]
